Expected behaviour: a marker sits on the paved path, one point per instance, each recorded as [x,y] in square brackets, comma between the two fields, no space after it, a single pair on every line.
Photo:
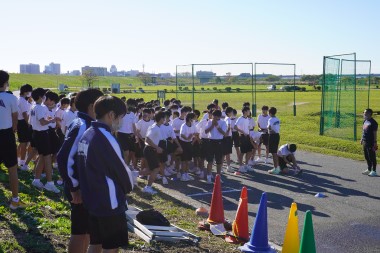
[347,220]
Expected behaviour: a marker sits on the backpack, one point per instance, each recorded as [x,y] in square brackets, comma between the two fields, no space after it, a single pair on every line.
[152,217]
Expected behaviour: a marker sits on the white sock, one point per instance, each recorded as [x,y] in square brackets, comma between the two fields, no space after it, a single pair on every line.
[22,162]
[36,180]
[50,183]
[15,199]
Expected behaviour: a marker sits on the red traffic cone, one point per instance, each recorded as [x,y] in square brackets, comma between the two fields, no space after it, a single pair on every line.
[240,224]
[216,215]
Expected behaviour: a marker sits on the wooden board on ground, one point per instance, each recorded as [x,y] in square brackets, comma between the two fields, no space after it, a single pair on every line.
[151,233]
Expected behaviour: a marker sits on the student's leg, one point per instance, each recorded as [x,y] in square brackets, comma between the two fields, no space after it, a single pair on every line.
[266,152]
[275,160]
[110,250]
[79,243]
[39,167]
[153,176]
[22,148]
[367,157]
[209,168]
[372,157]
[126,157]
[13,180]
[259,151]
[48,167]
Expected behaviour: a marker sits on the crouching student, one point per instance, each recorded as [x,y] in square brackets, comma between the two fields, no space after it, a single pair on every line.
[104,178]
[154,152]
[286,155]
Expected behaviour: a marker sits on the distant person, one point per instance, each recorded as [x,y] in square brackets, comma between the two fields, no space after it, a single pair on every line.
[369,142]
[274,139]
[8,148]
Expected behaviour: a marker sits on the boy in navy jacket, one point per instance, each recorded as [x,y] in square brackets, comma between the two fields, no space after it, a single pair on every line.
[104,177]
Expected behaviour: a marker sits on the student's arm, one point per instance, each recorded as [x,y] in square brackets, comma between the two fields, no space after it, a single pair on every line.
[14,121]
[209,128]
[151,143]
[25,116]
[220,130]
[178,145]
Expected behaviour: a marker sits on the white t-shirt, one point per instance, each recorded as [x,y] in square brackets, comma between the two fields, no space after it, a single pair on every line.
[255,136]
[228,122]
[252,123]
[214,134]
[177,123]
[284,151]
[154,134]
[186,131]
[143,126]
[68,117]
[23,106]
[233,122]
[37,113]
[205,116]
[223,115]
[167,131]
[128,121]
[8,106]
[51,113]
[243,124]
[262,121]
[201,127]
[274,123]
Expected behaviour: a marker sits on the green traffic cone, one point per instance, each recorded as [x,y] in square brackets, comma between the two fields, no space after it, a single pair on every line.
[307,241]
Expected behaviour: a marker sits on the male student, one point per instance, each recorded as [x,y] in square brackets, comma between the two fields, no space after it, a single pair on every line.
[8,148]
[262,122]
[104,178]
[369,142]
[69,116]
[286,155]
[274,139]
[67,165]
[242,126]
[40,120]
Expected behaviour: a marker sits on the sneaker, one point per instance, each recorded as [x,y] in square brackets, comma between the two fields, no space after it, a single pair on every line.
[171,170]
[209,179]
[372,174]
[24,167]
[251,162]
[158,177]
[197,171]
[298,172]
[59,182]
[165,180]
[259,160]
[274,171]
[149,189]
[19,204]
[242,169]
[266,161]
[51,188]
[366,172]
[250,168]
[184,178]
[201,175]
[192,169]
[190,178]
[230,169]
[167,172]
[179,175]
[38,184]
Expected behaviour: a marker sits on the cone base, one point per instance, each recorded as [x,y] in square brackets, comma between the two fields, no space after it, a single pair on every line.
[251,249]
[230,238]
[205,225]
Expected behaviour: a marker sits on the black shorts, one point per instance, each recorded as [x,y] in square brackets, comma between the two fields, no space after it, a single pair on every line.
[227,145]
[8,148]
[215,151]
[153,158]
[139,148]
[79,220]
[282,163]
[111,231]
[196,149]
[23,132]
[126,141]
[236,139]
[204,148]
[42,142]
[32,143]
[274,140]
[245,144]
[170,146]
[187,153]
[264,139]
[54,141]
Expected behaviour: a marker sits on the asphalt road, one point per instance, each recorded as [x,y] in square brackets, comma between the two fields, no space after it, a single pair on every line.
[347,220]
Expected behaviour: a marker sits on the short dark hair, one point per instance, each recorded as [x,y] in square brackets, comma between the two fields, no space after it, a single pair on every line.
[272,111]
[210,106]
[229,110]
[157,108]
[217,113]
[190,116]
[186,109]
[106,104]
[85,98]
[26,88]
[168,113]
[62,96]
[131,102]
[292,147]
[72,101]
[146,110]
[245,108]
[234,111]
[246,104]
[215,101]
[197,113]
[65,101]
[369,111]
[4,77]
[38,93]
[176,114]
[167,102]
[265,108]
[52,96]
[159,115]
[224,105]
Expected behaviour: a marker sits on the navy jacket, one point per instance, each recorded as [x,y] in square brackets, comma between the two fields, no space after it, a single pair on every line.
[104,178]
[66,157]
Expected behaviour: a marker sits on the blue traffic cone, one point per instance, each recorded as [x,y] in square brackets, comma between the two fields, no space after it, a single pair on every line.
[259,236]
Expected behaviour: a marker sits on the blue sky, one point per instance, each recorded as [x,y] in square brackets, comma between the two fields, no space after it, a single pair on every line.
[164,33]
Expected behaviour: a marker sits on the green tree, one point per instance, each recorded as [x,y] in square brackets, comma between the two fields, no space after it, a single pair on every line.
[144,77]
[89,77]
[218,79]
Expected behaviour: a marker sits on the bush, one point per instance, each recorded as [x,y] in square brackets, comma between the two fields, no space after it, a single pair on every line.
[180,88]
[228,89]
[214,88]
[303,89]
[319,87]
[208,88]
[202,89]
[186,88]
[238,89]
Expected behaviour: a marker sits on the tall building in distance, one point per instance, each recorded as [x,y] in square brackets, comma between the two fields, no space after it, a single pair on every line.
[113,70]
[99,71]
[53,69]
[30,68]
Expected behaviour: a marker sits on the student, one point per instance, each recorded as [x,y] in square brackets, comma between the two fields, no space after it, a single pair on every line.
[186,138]
[227,140]
[242,126]
[50,103]
[69,115]
[196,146]
[255,137]
[40,120]
[104,178]
[262,122]
[235,135]
[67,165]
[204,141]
[8,148]
[224,107]
[216,129]
[63,105]
[154,152]
[216,103]
[252,125]
[23,133]
[141,129]
[369,142]
[286,155]
[274,139]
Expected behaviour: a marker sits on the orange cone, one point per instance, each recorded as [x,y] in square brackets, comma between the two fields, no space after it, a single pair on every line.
[240,224]
[216,215]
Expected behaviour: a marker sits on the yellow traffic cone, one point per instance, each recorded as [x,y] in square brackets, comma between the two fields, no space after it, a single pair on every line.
[292,239]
